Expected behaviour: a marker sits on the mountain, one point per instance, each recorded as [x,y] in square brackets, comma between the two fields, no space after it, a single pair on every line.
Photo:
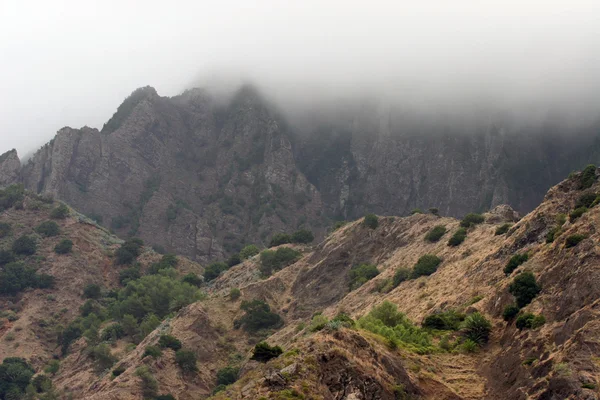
[382,308]
[202,176]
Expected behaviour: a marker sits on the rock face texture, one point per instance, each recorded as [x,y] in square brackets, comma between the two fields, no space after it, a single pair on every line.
[202,177]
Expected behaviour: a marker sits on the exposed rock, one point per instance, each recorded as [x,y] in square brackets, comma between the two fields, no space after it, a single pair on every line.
[10,168]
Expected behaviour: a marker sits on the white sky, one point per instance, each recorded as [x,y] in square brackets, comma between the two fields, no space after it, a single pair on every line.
[67,62]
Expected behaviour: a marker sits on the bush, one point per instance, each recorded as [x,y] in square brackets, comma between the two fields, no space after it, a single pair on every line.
[112,333]
[52,367]
[15,375]
[63,247]
[574,240]
[525,288]
[227,376]
[152,351]
[510,312]
[92,291]
[447,321]
[303,236]
[192,279]
[401,275]
[502,229]
[530,321]
[249,251]
[588,177]
[371,221]
[318,322]
[578,212]
[235,259]
[166,261]
[434,211]
[258,316]
[15,277]
[477,328]
[426,265]
[149,384]
[586,200]
[119,369]
[129,251]
[279,239]
[459,236]
[11,196]
[48,229]
[234,294]
[102,356]
[472,219]
[436,233]
[274,260]
[212,271]
[59,212]
[24,245]
[263,352]
[186,360]
[514,262]
[360,274]
[5,229]
[552,234]
[129,274]
[169,342]
[416,211]
[469,346]
[6,257]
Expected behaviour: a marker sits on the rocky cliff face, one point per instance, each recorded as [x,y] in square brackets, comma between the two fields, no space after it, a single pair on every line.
[203,177]
[10,168]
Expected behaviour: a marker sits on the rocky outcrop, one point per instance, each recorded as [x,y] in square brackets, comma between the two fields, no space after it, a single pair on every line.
[10,167]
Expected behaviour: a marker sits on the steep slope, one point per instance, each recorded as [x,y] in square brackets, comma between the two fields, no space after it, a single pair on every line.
[556,358]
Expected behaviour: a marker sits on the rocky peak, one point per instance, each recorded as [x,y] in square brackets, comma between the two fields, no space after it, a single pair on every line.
[10,167]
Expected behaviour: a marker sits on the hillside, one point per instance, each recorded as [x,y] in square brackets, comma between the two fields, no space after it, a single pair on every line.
[413,328]
[203,176]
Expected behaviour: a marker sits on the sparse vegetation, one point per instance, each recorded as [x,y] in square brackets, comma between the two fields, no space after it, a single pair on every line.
[578,212]
[436,233]
[263,352]
[472,219]
[234,294]
[459,236]
[502,229]
[574,240]
[360,274]
[257,316]
[63,247]
[514,262]
[426,265]
[274,260]
[149,383]
[588,177]
[371,221]
[525,288]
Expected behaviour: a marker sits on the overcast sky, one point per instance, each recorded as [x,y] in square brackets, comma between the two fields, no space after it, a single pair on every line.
[72,62]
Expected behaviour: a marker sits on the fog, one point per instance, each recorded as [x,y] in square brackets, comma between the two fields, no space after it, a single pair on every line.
[72,62]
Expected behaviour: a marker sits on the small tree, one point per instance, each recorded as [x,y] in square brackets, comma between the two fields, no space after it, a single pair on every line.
[459,236]
[426,265]
[92,291]
[152,351]
[588,177]
[303,236]
[63,247]
[249,251]
[170,342]
[436,233]
[514,262]
[401,275]
[227,375]
[472,219]
[60,212]
[279,239]
[371,221]
[263,352]
[234,259]
[360,274]
[510,312]
[192,279]
[48,229]
[525,288]
[186,360]
[24,245]
[212,271]
[257,316]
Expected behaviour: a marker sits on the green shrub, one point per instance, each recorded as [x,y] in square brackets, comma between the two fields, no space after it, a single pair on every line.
[24,245]
[436,233]
[477,328]
[586,200]
[129,274]
[578,212]
[263,352]
[166,261]
[434,211]
[344,319]
[234,259]
[92,291]
[227,376]
[588,177]
[186,359]
[401,275]
[416,211]
[360,274]
[371,221]
[530,321]
[5,229]
[274,260]
[514,262]
[119,369]
[149,384]
[574,240]
[447,321]
[257,316]
[102,356]
[63,247]
[318,322]
[43,281]
[48,229]
[169,342]
[459,236]
[15,375]
[502,229]
[552,234]
[249,251]
[129,251]
[279,239]
[303,236]
[15,277]
[152,351]
[52,367]
[112,332]
[337,225]
[234,294]
[59,212]
[192,279]
[385,320]
[6,257]
[472,219]
[469,346]
[525,288]
[426,265]
[510,312]
[11,196]
[212,271]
